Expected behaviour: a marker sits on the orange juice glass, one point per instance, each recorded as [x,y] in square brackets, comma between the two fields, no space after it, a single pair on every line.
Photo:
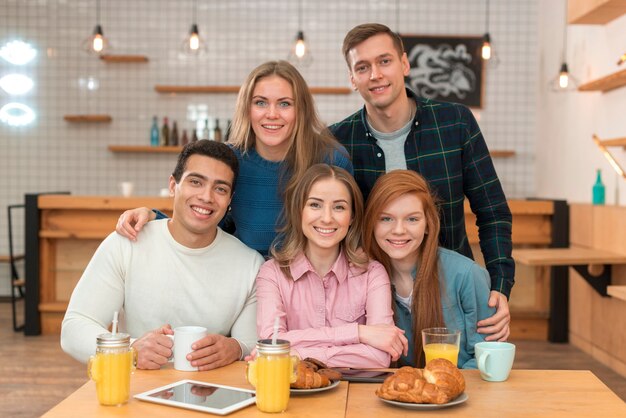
[111,368]
[271,373]
[441,343]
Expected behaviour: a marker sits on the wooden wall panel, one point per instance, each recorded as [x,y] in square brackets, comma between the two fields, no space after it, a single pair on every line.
[580,225]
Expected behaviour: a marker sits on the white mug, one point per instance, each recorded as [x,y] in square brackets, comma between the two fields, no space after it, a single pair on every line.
[127,188]
[183,338]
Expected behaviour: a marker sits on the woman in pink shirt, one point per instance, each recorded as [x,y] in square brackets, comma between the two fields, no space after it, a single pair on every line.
[332,303]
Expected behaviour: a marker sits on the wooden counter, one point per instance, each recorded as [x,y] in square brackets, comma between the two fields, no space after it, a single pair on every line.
[68,229]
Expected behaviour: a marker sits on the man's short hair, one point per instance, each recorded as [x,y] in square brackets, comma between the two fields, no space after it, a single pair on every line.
[363,32]
[216,150]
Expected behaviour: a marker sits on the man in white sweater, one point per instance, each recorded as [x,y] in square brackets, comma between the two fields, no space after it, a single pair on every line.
[180,271]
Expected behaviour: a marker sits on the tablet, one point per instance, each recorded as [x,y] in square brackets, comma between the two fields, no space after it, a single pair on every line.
[364,376]
[200,396]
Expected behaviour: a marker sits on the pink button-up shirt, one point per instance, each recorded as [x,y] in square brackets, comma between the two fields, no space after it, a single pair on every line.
[320,315]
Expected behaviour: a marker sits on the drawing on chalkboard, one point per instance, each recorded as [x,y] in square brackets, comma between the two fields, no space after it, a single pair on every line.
[445,68]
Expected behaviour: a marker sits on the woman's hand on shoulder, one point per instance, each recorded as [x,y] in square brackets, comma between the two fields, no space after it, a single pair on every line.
[132,221]
[387,338]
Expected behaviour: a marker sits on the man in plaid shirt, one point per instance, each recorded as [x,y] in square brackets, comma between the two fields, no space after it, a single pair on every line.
[441,141]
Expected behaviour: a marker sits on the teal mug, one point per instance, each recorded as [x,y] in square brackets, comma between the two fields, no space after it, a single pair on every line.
[494,360]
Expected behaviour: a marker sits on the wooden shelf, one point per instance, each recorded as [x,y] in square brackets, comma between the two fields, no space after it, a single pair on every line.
[594,12]
[606,83]
[616,142]
[235,89]
[145,149]
[124,58]
[502,153]
[88,118]
[566,256]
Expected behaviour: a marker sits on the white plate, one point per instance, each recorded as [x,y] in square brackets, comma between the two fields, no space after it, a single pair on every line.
[461,398]
[307,391]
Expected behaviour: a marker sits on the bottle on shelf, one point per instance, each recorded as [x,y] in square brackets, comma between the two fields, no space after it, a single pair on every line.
[228,126]
[174,135]
[194,135]
[154,133]
[217,132]
[184,140]
[165,133]
[598,190]
[205,130]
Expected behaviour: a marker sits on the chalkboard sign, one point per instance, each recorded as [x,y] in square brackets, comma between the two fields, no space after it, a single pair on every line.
[448,68]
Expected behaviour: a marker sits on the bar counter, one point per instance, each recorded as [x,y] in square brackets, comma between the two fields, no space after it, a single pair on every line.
[65,231]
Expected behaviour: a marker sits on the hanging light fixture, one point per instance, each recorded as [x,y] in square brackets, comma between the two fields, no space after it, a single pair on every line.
[193,44]
[564,81]
[487,51]
[300,54]
[622,59]
[96,43]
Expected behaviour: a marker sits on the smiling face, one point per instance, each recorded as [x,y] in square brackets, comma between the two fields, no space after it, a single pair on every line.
[326,216]
[201,199]
[377,71]
[400,229]
[273,116]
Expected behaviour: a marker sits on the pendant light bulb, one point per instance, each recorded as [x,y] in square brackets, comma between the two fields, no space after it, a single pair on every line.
[97,43]
[486,48]
[300,55]
[98,40]
[194,38]
[193,45]
[300,47]
[564,81]
[563,76]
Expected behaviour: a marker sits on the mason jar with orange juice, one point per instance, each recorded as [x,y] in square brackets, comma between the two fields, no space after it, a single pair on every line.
[271,373]
[111,368]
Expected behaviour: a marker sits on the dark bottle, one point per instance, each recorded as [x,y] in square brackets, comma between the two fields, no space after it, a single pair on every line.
[184,140]
[165,133]
[228,127]
[205,131]
[194,135]
[154,133]
[174,135]
[217,132]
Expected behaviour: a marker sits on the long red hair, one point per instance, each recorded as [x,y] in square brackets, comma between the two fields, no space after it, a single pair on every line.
[426,304]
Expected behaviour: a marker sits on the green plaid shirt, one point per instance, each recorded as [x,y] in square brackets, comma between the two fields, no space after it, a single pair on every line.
[445,146]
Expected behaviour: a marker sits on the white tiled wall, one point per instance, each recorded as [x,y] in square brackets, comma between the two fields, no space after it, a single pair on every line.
[52,154]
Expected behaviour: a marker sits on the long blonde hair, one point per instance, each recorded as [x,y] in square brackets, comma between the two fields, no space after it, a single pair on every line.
[291,240]
[426,305]
[311,142]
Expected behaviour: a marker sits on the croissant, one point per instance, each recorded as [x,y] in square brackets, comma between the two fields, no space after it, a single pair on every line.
[308,378]
[312,374]
[439,382]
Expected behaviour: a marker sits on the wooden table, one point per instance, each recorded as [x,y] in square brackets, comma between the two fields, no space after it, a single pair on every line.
[527,393]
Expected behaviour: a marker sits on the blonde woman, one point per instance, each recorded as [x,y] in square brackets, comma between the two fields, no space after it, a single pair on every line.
[277,135]
[332,303]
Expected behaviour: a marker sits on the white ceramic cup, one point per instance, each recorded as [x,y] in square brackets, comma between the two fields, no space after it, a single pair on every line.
[183,338]
[127,188]
[494,360]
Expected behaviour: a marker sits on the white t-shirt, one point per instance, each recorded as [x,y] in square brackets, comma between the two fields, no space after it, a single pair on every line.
[156,281]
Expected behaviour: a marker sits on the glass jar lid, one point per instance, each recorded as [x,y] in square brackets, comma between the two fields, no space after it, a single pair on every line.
[119,339]
[266,346]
